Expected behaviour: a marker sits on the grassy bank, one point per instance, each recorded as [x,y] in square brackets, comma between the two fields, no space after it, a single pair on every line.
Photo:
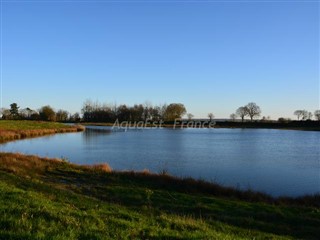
[13,130]
[50,198]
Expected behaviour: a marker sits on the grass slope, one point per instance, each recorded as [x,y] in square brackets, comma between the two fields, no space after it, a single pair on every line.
[52,199]
[12,130]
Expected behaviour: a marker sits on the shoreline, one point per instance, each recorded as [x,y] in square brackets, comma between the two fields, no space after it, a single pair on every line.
[186,184]
[246,125]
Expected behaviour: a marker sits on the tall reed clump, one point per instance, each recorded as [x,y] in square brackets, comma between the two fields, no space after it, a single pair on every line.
[103,167]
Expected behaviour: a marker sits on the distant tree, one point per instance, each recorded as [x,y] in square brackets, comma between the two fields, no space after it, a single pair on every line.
[5,114]
[14,110]
[265,119]
[233,116]
[242,112]
[190,116]
[1,112]
[87,111]
[29,112]
[310,115]
[23,113]
[123,113]
[75,117]
[253,110]
[317,114]
[147,110]
[305,114]
[35,116]
[62,115]
[283,120]
[175,110]
[137,112]
[298,113]
[46,113]
[162,111]
[155,113]
[210,116]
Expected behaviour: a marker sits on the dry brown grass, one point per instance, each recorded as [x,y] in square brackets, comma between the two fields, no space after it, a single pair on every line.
[10,135]
[26,165]
[146,171]
[103,167]
[31,166]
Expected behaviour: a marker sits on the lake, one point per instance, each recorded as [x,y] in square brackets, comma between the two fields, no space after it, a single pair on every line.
[277,162]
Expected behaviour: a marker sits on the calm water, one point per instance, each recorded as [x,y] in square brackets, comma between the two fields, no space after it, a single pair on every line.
[277,162]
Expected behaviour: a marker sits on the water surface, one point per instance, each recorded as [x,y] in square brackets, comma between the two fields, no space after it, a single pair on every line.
[278,162]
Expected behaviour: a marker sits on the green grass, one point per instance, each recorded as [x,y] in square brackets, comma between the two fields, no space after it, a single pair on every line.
[16,129]
[15,125]
[52,199]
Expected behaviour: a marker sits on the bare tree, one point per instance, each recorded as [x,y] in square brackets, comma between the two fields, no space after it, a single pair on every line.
[253,110]
[5,113]
[305,114]
[233,116]
[317,114]
[190,116]
[298,113]
[210,116]
[162,111]
[147,109]
[310,115]
[242,112]
[62,115]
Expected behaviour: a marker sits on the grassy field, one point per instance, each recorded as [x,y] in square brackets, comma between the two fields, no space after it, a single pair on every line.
[51,199]
[12,130]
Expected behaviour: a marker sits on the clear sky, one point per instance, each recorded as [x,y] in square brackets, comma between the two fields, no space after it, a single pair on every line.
[212,56]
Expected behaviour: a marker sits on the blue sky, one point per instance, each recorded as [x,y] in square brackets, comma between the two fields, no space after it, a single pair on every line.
[211,56]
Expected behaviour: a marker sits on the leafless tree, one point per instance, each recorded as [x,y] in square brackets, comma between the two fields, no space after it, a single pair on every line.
[305,114]
[5,113]
[62,115]
[253,110]
[233,116]
[298,113]
[210,116]
[317,114]
[242,112]
[190,116]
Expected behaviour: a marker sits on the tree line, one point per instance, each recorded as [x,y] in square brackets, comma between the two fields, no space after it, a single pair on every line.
[306,115]
[45,113]
[99,112]
[252,110]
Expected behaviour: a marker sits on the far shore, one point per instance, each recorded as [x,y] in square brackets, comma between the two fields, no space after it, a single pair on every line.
[292,125]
